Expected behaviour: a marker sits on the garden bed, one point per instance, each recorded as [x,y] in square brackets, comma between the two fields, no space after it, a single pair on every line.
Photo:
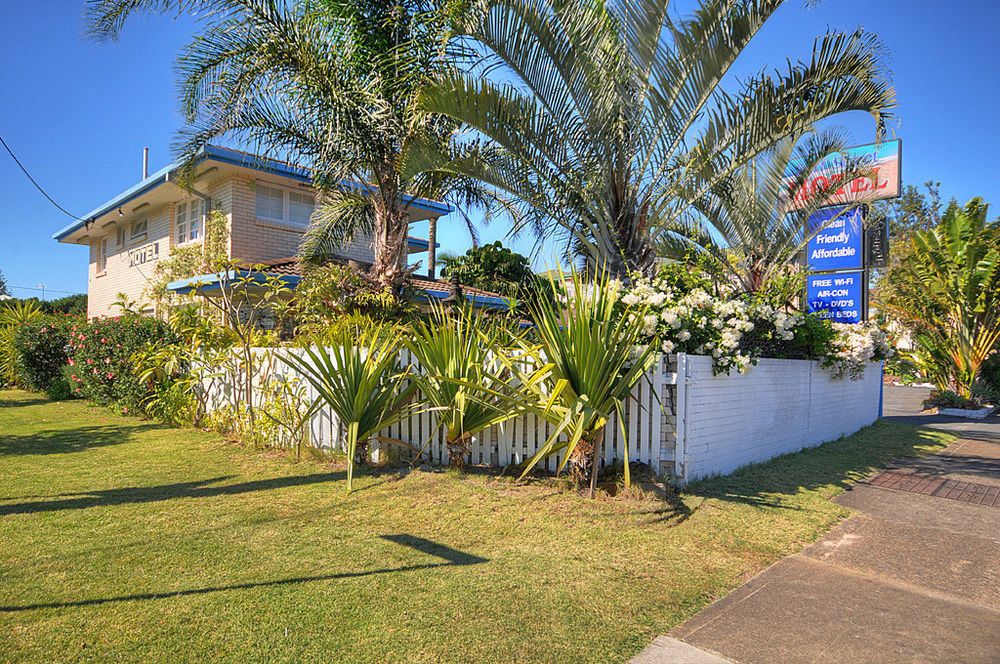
[123,540]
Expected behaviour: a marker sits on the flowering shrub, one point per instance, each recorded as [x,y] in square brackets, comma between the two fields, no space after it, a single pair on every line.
[855,347]
[40,351]
[101,359]
[736,333]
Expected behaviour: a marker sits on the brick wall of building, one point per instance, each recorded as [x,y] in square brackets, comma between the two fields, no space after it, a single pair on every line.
[250,240]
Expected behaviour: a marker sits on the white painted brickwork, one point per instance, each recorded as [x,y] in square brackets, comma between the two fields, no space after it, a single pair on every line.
[781,406]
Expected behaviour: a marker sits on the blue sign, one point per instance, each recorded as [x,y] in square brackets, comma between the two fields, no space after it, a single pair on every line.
[837,297]
[839,245]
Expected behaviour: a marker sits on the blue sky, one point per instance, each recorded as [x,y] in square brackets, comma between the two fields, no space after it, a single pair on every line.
[78,113]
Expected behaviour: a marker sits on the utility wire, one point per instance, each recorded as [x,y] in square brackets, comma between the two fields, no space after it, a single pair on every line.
[38,186]
[48,290]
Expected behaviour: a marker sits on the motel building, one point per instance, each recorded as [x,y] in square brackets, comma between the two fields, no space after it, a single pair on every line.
[267,204]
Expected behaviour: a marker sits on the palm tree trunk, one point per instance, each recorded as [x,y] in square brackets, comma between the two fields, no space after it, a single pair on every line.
[389,245]
[458,449]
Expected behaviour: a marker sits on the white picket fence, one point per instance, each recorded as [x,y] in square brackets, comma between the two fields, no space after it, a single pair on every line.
[510,442]
[682,419]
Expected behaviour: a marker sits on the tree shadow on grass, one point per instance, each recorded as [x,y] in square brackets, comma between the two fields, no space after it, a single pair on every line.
[452,558]
[773,484]
[68,441]
[152,494]
[19,403]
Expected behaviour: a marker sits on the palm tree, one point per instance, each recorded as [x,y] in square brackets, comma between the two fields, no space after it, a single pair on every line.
[608,119]
[328,83]
[745,225]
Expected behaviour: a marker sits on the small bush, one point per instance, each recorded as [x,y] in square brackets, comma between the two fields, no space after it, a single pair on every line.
[59,389]
[40,351]
[949,399]
[101,358]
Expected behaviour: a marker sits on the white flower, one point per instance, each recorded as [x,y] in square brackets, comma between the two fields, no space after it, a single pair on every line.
[683,335]
[668,346]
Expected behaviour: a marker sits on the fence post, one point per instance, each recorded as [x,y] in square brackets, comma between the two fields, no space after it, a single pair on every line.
[680,426]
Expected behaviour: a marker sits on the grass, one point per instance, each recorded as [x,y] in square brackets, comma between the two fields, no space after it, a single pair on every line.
[123,540]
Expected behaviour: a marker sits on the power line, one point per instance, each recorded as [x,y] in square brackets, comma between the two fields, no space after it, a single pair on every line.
[38,186]
[49,290]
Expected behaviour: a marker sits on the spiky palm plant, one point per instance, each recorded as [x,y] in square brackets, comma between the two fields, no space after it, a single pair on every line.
[745,224]
[606,120]
[330,84]
[948,289]
[359,377]
[575,369]
[455,349]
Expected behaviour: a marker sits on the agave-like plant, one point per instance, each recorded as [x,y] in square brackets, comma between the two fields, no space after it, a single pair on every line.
[359,377]
[576,369]
[457,349]
[12,317]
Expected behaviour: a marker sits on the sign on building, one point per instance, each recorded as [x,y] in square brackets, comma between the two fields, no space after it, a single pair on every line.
[839,244]
[838,297]
[879,164]
[144,254]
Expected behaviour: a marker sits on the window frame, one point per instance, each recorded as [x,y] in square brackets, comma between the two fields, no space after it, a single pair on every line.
[286,219]
[102,254]
[190,206]
[134,237]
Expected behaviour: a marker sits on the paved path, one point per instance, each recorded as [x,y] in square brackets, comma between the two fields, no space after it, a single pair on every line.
[912,577]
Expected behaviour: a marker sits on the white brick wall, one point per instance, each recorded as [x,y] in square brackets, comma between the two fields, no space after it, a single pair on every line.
[781,406]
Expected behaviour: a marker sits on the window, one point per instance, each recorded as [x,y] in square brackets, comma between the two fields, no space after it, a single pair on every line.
[270,203]
[120,237]
[138,230]
[300,208]
[188,223]
[283,206]
[102,254]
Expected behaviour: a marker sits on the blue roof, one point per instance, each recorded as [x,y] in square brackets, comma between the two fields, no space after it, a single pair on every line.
[211,282]
[236,158]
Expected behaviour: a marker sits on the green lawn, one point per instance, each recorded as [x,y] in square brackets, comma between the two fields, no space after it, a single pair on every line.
[123,540]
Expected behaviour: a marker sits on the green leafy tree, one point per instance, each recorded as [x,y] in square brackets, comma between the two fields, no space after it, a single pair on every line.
[948,292]
[331,84]
[3,284]
[605,120]
[494,267]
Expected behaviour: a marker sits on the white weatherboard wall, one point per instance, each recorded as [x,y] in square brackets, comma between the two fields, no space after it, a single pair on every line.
[682,420]
[781,406]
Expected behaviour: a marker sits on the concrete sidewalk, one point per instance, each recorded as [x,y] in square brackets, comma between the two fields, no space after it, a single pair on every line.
[911,577]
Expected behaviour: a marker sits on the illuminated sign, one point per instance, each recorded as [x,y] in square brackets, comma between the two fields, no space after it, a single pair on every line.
[839,244]
[837,297]
[879,164]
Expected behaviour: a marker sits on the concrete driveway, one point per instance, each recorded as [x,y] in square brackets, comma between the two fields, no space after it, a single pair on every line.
[912,577]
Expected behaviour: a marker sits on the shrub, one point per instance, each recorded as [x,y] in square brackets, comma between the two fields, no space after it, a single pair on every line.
[949,399]
[59,388]
[101,357]
[40,351]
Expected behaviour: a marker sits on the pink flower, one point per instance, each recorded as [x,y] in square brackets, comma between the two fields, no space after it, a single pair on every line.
[71,362]
[125,410]
[107,360]
[110,375]
[89,361]
[44,328]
